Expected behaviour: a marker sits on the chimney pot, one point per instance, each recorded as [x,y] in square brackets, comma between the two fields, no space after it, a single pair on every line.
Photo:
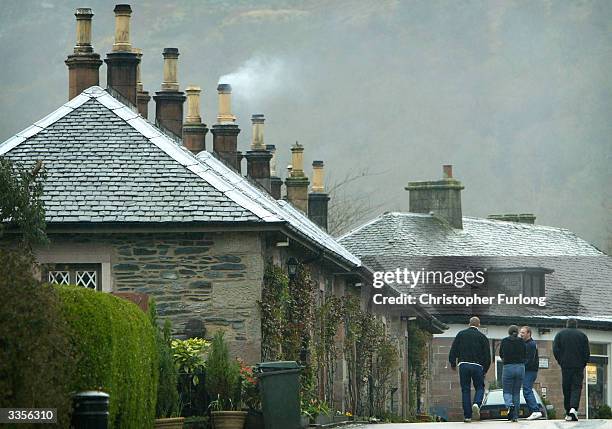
[83,30]
[194,131]
[275,182]
[447,171]
[297,160]
[225,104]
[193,105]
[84,63]
[225,131]
[169,101]
[122,62]
[318,200]
[170,82]
[272,149]
[318,177]
[258,132]
[297,182]
[122,28]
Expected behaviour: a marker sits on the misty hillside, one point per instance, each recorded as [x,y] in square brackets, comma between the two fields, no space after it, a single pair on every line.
[516,95]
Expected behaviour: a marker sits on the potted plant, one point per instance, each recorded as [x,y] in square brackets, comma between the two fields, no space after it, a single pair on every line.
[167,410]
[224,386]
[250,397]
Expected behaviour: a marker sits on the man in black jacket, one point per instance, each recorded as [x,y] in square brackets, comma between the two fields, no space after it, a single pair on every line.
[571,350]
[532,364]
[471,353]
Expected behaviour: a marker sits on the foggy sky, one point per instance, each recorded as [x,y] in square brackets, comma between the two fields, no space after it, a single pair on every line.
[515,94]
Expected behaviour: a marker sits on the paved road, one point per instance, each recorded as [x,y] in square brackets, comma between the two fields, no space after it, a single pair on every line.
[522,424]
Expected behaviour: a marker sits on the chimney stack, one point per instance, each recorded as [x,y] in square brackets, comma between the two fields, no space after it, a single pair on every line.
[142,96]
[225,131]
[84,63]
[169,101]
[258,158]
[318,200]
[122,62]
[275,182]
[194,131]
[297,183]
[442,197]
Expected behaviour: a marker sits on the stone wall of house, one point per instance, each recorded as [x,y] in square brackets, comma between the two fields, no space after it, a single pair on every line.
[446,390]
[202,282]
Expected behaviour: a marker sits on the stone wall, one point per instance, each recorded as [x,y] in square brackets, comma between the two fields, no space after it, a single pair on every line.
[202,282]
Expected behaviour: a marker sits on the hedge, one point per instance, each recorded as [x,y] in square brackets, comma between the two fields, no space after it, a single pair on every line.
[115,351]
[36,360]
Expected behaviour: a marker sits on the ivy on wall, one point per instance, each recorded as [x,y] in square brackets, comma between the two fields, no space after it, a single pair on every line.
[295,326]
[418,370]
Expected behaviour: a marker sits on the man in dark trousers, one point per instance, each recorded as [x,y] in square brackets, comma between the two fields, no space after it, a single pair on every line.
[532,364]
[471,353]
[571,350]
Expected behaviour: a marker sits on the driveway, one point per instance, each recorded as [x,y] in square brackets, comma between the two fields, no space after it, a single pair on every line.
[522,424]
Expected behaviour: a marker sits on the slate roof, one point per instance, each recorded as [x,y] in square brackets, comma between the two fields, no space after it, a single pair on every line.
[106,164]
[582,274]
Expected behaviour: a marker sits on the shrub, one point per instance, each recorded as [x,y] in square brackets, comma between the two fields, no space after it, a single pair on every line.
[223,381]
[189,358]
[167,388]
[35,355]
[115,351]
[603,412]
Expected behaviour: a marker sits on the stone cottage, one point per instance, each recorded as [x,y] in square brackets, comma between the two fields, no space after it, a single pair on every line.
[522,258]
[136,206]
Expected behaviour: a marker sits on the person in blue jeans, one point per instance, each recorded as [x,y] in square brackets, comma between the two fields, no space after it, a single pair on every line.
[513,352]
[532,363]
[471,353]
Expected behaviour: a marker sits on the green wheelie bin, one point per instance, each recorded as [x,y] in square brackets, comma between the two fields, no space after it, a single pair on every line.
[279,384]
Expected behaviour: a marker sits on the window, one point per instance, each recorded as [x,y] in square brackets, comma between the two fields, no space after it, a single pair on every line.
[85,275]
[533,284]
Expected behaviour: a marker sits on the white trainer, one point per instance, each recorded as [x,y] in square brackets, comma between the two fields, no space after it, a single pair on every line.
[475,412]
[568,418]
[535,415]
[573,414]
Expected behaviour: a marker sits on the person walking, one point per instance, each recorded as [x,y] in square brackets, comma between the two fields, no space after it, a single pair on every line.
[571,350]
[532,364]
[470,352]
[513,352]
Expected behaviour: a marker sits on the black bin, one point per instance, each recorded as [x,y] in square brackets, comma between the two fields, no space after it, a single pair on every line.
[280,394]
[90,410]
